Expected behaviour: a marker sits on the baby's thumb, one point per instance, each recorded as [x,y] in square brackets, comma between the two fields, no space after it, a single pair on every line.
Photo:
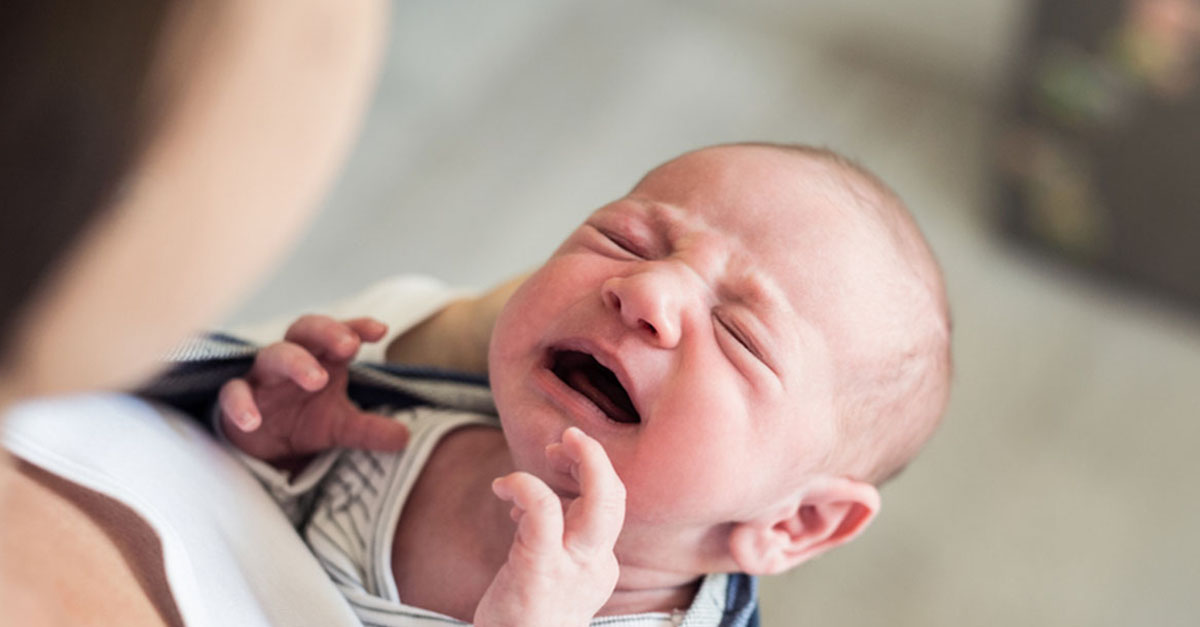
[373,432]
[236,400]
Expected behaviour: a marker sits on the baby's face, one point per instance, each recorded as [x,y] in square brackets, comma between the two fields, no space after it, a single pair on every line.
[690,327]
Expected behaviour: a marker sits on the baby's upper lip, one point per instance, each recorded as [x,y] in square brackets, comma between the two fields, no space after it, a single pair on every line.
[608,358]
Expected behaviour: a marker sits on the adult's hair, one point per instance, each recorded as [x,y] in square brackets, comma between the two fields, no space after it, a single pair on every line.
[74,111]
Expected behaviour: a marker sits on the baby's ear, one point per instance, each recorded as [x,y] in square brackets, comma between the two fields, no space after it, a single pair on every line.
[829,512]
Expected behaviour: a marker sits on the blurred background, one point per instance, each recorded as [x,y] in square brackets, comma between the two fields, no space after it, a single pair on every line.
[1046,148]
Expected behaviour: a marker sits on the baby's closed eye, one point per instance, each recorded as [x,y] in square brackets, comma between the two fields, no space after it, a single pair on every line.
[739,344]
[622,243]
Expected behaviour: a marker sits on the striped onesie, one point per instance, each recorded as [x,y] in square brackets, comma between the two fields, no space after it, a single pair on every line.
[347,505]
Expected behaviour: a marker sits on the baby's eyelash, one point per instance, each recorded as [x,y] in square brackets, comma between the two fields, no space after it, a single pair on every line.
[746,341]
[622,243]
[738,335]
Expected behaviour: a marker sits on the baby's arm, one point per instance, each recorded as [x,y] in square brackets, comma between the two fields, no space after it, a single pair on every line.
[561,568]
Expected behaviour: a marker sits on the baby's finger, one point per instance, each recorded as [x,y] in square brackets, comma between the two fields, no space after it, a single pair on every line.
[324,337]
[373,432]
[285,361]
[560,461]
[594,520]
[540,525]
[368,329]
[236,401]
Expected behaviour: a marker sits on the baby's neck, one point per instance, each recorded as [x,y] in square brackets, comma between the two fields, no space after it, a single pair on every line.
[635,599]
[640,587]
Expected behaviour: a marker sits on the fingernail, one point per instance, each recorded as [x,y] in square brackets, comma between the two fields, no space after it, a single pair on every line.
[248,421]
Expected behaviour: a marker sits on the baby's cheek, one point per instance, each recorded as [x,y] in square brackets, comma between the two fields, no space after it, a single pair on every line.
[677,483]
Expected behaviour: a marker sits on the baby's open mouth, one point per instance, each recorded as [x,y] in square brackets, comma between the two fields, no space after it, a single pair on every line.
[582,373]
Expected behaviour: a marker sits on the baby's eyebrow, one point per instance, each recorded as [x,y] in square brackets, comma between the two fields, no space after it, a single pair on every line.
[744,283]
[664,218]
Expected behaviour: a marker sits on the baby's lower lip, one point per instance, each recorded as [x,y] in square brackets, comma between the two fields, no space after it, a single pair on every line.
[577,407]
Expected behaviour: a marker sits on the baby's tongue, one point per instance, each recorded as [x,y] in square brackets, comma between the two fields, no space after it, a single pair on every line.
[601,387]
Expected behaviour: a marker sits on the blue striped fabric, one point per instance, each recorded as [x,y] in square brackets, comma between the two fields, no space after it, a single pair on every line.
[197,369]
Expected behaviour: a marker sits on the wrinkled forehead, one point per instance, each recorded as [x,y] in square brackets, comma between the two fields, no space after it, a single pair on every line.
[787,217]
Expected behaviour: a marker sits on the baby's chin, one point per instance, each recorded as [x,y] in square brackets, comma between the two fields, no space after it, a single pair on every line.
[530,457]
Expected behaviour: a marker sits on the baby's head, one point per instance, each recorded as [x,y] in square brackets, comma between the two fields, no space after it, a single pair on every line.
[756,334]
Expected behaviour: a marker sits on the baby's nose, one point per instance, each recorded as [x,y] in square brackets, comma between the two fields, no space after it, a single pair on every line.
[647,304]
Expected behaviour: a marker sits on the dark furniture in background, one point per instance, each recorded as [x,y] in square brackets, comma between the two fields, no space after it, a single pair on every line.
[1098,159]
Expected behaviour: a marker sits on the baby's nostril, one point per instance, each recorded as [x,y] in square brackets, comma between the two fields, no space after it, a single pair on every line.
[649,327]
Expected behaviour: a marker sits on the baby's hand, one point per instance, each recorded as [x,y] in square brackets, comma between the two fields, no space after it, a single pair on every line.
[293,402]
[560,569]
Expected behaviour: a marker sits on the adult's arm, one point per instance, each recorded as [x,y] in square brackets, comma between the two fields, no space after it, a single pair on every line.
[429,323]
[65,561]
[457,336]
